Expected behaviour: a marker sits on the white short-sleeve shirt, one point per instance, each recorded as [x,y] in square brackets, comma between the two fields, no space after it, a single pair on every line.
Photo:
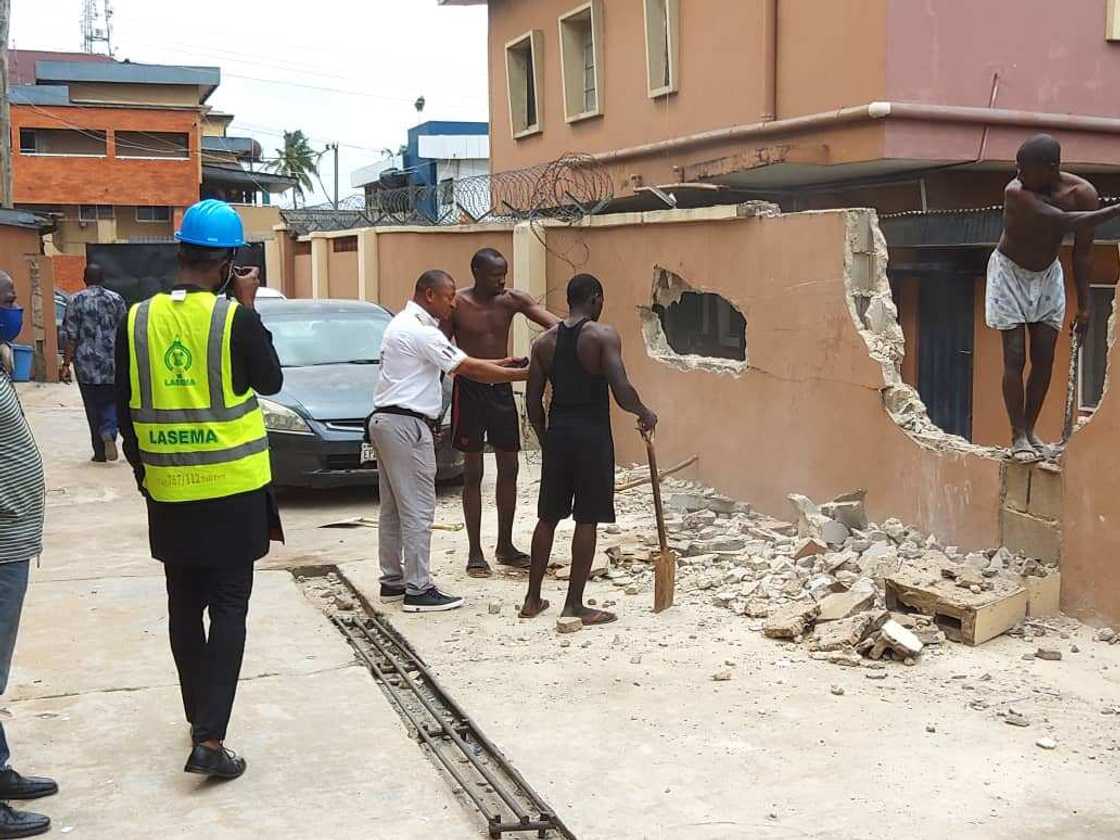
[414,352]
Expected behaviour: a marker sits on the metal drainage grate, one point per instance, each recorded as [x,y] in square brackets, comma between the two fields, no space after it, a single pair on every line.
[479,769]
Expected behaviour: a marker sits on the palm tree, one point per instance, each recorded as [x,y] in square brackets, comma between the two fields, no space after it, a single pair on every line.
[297,160]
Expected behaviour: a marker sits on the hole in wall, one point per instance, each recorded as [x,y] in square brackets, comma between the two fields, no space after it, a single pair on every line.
[692,329]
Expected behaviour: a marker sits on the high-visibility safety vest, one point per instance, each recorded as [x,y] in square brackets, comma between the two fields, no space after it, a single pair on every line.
[198,439]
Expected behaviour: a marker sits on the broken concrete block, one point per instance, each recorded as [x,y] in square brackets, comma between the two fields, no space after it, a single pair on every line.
[839,605]
[850,514]
[495,608]
[758,608]
[721,676]
[687,502]
[879,562]
[1043,595]
[1045,495]
[1049,654]
[724,597]
[791,621]
[973,618]
[977,561]
[900,640]
[833,532]
[569,624]
[1030,535]
[841,560]
[965,576]
[838,635]
[1016,485]
[820,585]
[808,547]
[894,529]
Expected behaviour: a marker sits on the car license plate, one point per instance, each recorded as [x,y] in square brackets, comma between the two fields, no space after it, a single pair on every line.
[369,454]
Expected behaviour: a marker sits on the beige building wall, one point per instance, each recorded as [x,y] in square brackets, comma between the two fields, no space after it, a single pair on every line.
[128,228]
[829,55]
[344,272]
[301,287]
[183,96]
[258,221]
[403,255]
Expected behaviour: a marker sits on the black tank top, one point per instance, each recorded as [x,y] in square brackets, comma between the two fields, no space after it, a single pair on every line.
[576,394]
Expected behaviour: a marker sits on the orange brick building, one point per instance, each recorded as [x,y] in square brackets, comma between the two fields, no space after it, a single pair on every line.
[115,152]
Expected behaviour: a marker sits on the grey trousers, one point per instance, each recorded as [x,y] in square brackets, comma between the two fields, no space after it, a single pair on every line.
[406,465]
[13,586]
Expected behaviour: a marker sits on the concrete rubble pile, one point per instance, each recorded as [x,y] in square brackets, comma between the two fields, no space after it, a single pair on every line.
[855,592]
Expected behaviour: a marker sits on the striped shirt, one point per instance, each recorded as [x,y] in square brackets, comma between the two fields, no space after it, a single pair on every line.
[22,485]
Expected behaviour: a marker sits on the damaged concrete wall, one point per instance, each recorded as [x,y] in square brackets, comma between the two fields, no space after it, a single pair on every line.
[806,413]
[668,289]
[1091,508]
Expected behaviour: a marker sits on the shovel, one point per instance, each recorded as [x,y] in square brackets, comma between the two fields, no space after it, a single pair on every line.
[1071,386]
[665,562]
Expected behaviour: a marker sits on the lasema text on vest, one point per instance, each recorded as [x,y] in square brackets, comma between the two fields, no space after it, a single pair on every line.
[180,437]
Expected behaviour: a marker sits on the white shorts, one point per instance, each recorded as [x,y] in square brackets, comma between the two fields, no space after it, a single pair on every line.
[1016,296]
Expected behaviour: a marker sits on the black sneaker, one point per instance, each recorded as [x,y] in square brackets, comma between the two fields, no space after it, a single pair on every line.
[391,593]
[15,823]
[431,600]
[219,764]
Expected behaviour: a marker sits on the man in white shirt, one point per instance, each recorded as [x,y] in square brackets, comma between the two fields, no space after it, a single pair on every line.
[415,353]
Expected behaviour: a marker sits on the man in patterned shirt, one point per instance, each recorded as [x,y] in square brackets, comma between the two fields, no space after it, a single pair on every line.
[22,502]
[89,336]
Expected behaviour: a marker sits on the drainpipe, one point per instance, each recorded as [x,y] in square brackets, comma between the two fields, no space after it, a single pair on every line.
[871,112]
[769,60]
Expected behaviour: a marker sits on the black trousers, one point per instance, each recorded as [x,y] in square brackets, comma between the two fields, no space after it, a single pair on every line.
[101,414]
[209,665]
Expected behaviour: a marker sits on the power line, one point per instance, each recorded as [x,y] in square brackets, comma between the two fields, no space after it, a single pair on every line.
[286,83]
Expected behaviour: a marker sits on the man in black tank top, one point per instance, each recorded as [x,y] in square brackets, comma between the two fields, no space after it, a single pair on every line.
[582,359]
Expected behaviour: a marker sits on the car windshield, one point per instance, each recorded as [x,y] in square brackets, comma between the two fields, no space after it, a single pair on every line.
[327,338]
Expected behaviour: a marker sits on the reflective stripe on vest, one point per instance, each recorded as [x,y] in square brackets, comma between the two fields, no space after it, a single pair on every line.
[198,439]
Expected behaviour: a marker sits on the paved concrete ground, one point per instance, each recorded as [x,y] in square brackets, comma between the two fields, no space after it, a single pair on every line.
[94,700]
[622,730]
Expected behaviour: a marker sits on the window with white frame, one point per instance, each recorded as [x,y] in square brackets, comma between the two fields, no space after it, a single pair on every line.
[93,212]
[1112,26]
[1094,348]
[523,80]
[580,59]
[662,45]
[153,214]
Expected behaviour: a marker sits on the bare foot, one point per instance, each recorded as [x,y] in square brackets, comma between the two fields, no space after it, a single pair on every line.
[533,608]
[589,616]
[510,556]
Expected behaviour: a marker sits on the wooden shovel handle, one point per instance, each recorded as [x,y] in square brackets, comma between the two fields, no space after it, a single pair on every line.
[656,487]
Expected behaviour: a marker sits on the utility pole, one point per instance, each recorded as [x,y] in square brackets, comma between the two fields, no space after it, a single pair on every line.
[334,147]
[5,109]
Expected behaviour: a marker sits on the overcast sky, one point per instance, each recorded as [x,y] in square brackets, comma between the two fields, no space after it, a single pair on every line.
[345,70]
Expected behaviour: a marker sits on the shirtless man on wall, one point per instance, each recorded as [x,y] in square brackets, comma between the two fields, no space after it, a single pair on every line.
[1026,287]
[483,414]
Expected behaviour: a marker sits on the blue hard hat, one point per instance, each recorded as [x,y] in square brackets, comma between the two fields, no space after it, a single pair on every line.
[211,224]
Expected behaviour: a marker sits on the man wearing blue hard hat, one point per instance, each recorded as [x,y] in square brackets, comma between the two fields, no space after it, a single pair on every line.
[190,363]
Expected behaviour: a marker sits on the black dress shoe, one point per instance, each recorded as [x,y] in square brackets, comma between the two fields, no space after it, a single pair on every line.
[15,786]
[220,763]
[15,823]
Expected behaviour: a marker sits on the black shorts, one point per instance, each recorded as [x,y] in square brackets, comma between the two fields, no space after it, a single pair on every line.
[577,476]
[483,414]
